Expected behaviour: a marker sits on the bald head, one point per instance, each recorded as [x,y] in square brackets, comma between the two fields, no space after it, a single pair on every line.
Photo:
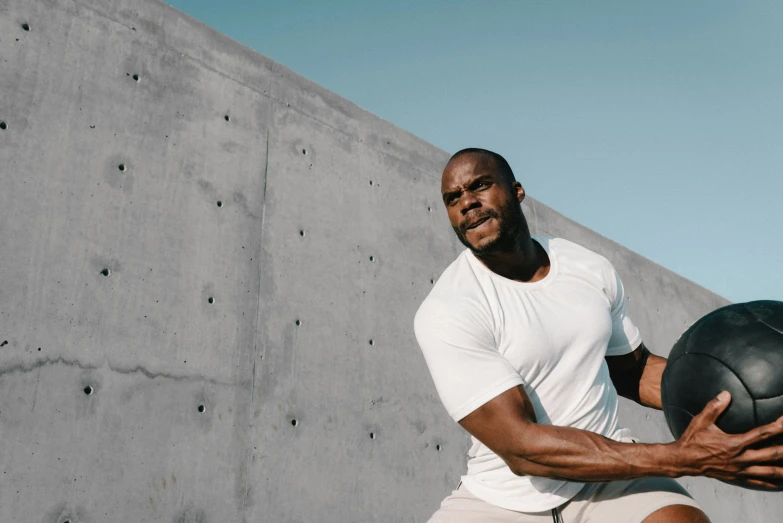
[500,163]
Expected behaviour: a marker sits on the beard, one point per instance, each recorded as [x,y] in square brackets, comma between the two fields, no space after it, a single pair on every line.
[510,221]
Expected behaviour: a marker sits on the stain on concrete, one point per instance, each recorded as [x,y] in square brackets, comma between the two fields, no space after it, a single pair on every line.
[191,515]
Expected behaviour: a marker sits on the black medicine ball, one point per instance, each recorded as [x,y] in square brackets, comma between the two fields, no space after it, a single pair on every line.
[738,348]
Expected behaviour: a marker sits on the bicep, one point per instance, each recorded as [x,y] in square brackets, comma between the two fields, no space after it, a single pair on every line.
[501,423]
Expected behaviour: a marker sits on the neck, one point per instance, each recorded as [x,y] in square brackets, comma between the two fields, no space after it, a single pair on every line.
[527,263]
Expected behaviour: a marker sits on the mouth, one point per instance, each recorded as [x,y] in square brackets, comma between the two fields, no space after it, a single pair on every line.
[477,223]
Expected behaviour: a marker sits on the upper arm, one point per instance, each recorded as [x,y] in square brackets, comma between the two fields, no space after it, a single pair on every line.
[479,387]
[626,354]
[502,423]
[637,376]
[631,363]
[625,336]
[459,348]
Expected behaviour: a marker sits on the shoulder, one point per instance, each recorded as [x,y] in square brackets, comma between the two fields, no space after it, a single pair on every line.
[456,298]
[578,256]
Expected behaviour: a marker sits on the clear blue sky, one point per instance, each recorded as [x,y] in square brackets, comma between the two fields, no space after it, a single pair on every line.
[657,124]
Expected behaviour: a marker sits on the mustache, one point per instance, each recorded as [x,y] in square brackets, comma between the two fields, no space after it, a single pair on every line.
[489,213]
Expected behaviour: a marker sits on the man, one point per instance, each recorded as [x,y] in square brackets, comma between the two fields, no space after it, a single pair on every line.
[528,344]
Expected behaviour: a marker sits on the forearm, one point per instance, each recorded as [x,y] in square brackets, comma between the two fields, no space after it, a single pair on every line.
[578,455]
[507,425]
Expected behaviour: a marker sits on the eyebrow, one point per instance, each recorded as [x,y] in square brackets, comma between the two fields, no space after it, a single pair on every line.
[451,192]
[448,194]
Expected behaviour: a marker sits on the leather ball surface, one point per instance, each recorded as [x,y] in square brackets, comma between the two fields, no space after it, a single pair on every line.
[738,348]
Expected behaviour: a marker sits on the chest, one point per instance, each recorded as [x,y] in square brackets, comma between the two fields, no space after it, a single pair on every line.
[567,324]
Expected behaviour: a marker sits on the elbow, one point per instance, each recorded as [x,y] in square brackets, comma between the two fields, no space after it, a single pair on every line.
[518,465]
[517,468]
[514,466]
[519,450]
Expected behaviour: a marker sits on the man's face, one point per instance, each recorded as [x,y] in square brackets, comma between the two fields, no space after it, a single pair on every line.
[483,207]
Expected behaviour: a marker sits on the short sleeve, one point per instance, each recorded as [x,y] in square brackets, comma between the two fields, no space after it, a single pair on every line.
[461,354]
[625,335]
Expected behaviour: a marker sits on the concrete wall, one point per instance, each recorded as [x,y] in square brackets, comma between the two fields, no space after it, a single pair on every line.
[165,357]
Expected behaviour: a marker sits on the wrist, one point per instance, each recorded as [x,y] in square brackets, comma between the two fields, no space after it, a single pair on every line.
[673,461]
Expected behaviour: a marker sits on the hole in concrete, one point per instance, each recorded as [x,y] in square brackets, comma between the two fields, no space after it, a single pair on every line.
[39,349]
[438,448]
[6,343]
[301,233]
[298,323]
[372,435]
[294,422]
[88,390]
[228,118]
[136,77]
[201,408]
[105,272]
[220,204]
[432,281]
[211,299]
[370,182]
[122,167]
[372,258]
[304,151]
[372,342]
[429,209]
[26,26]
[3,126]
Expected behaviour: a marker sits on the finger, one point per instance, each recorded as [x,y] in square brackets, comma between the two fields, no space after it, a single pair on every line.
[765,455]
[762,433]
[715,407]
[763,472]
[765,485]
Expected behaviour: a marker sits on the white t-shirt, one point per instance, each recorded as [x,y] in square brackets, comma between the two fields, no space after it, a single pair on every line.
[482,334]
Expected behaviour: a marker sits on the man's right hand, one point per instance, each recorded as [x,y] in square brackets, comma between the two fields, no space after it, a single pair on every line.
[507,425]
[705,450]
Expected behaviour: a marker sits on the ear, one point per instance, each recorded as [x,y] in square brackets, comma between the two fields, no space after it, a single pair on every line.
[519,191]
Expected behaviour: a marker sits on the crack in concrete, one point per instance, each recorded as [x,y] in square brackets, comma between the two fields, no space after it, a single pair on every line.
[22,368]
[138,369]
[41,362]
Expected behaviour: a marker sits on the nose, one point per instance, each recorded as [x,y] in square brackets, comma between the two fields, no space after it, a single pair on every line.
[468,202]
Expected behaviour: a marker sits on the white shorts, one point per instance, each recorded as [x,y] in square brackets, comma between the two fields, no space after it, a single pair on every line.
[613,502]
